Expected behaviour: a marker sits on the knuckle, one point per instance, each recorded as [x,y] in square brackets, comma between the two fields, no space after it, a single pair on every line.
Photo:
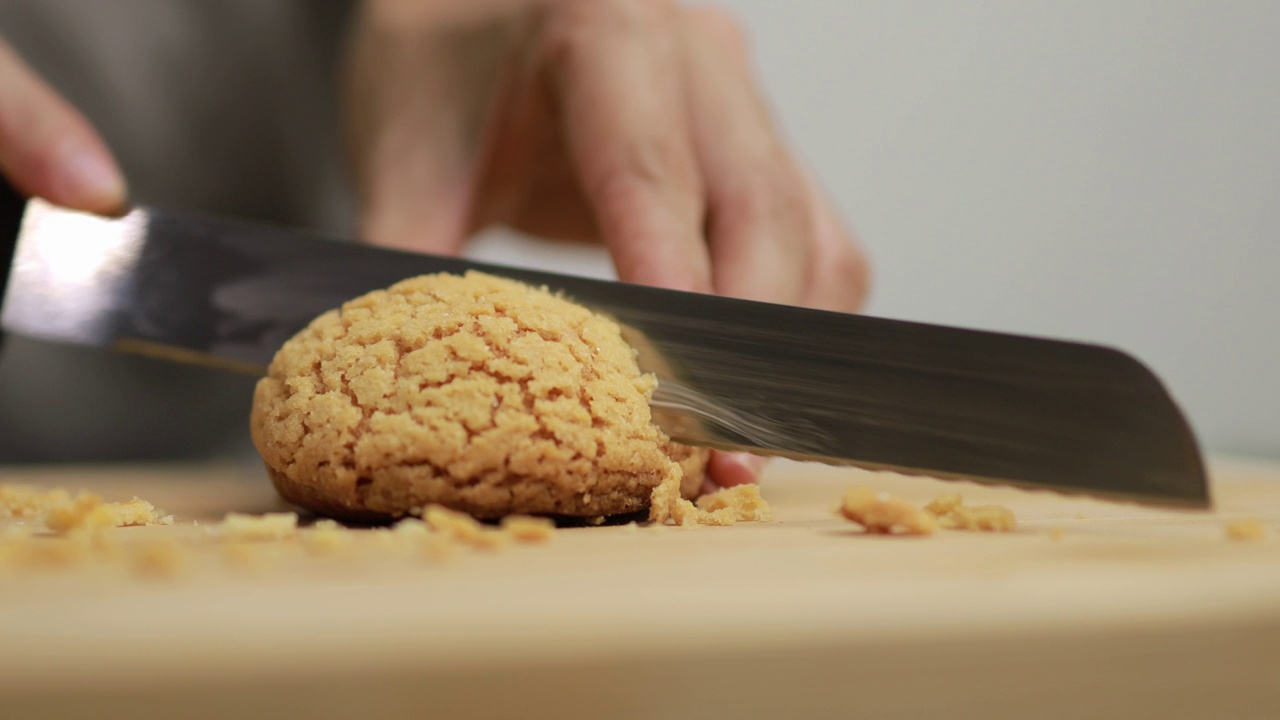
[722,24]
[846,273]
[772,192]
[569,23]
[657,165]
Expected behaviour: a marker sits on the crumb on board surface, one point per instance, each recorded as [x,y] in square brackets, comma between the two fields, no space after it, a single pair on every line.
[24,501]
[241,527]
[882,513]
[740,503]
[89,512]
[462,528]
[523,528]
[1245,530]
[58,538]
[325,537]
[953,514]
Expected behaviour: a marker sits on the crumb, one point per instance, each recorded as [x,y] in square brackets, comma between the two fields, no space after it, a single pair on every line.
[451,522]
[1056,532]
[88,512]
[239,527]
[1247,530]
[133,513]
[723,507]
[73,514]
[410,529]
[882,513]
[526,529]
[944,504]
[1079,516]
[22,501]
[631,528]
[665,500]
[158,560]
[325,537]
[741,503]
[953,514]
[463,528]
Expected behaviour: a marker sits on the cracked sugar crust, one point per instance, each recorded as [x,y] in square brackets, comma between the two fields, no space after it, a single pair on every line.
[477,393]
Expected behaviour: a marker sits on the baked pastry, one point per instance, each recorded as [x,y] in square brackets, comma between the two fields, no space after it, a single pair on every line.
[478,393]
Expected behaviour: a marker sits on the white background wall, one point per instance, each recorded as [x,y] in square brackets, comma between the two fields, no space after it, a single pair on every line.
[1104,170]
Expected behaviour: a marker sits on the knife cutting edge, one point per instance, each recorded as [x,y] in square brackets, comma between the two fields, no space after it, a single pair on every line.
[733,374]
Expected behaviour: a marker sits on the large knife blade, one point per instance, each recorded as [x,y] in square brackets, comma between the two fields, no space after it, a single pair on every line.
[733,374]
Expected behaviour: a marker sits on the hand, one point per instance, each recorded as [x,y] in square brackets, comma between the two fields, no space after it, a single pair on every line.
[47,149]
[636,123]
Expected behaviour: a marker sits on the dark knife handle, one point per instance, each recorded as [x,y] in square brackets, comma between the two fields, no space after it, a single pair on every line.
[12,206]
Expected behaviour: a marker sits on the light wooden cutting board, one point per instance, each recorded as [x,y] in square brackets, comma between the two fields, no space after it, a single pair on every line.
[1089,610]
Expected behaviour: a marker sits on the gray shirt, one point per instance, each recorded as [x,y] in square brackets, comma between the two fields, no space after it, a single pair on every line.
[227,106]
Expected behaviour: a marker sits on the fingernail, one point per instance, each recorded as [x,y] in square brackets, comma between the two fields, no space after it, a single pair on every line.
[89,179]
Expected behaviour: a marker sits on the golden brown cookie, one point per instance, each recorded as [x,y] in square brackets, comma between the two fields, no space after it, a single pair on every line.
[477,393]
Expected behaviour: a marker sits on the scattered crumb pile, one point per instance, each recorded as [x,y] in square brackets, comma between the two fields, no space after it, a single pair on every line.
[953,514]
[438,532]
[68,531]
[46,530]
[880,512]
[21,501]
[88,512]
[58,512]
[1247,530]
[474,392]
[741,503]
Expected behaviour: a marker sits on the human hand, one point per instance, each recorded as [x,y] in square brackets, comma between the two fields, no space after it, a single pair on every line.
[636,123]
[48,149]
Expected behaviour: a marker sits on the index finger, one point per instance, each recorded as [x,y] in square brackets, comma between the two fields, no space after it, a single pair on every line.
[616,69]
[49,150]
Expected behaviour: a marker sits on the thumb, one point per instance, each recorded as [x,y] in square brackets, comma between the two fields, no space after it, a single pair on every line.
[47,149]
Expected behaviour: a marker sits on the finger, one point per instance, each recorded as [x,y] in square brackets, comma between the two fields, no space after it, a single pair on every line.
[761,232]
[617,72]
[841,275]
[415,107]
[47,149]
[527,181]
[727,469]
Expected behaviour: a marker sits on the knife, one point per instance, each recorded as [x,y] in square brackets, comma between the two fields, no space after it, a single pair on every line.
[732,374]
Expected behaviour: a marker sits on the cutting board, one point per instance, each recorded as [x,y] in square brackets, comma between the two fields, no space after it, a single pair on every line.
[1090,609]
